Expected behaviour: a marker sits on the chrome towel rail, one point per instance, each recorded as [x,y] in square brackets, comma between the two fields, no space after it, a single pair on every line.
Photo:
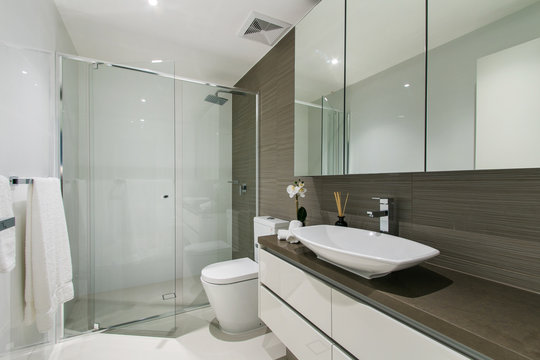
[7,223]
[14,180]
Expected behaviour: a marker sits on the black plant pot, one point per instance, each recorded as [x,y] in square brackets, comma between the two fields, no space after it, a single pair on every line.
[341,221]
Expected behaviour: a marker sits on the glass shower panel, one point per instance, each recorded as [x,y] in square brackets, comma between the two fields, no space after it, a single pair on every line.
[132,195]
[206,205]
[79,312]
[119,179]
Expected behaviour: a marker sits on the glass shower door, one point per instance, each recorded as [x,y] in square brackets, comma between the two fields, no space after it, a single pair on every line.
[132,195]
[119,188]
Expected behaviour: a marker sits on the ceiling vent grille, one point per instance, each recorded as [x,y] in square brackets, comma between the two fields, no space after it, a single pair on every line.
[264,29]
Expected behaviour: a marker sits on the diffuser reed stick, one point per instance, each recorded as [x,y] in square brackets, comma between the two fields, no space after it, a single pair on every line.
[341,210]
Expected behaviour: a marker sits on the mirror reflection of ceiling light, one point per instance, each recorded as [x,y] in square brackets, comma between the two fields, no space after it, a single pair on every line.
[153,2]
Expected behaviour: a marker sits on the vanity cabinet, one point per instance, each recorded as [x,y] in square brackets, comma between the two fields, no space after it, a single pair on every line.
[369,334]
[316,321]
[306,294]
[338,354]
[305,341]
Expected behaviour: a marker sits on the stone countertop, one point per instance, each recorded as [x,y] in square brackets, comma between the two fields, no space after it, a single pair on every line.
[498,321]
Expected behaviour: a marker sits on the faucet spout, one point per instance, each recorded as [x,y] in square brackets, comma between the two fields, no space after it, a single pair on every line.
[377,214]
[386,215]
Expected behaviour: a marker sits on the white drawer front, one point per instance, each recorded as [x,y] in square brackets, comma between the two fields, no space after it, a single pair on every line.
[295,333]
[337,354]
[369,334]
[309,296]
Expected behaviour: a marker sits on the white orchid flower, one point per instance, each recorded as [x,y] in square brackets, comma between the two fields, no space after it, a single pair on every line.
[291,190]
[296,190]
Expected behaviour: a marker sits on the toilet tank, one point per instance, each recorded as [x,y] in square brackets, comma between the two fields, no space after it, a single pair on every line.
[266,225]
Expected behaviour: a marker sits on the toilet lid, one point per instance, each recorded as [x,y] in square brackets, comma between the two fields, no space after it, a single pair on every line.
[231,271]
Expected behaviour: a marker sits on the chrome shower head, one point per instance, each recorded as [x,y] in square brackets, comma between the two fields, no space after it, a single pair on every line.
[214,99]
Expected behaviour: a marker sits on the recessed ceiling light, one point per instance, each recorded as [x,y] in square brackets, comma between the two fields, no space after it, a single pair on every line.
[157,61]
[152,2]
[24,72]
[406,85]
[141,120]
[334,61]
[143,100]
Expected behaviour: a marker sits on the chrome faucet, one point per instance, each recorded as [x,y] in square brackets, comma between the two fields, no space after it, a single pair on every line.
[386,215]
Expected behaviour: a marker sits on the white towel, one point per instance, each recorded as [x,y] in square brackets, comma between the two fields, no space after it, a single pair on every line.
[283,234]
[47,256]
[7,236]
[293,225]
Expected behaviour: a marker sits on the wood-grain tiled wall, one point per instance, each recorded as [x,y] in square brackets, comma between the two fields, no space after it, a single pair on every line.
[243,171]
[485,223]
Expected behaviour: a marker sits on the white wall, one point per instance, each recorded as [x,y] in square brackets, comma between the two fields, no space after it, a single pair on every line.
[27,129]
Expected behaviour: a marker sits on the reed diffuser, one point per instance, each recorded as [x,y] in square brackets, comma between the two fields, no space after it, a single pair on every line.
[341,210]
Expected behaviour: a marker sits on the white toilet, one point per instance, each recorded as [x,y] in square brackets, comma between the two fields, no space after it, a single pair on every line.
[231,286]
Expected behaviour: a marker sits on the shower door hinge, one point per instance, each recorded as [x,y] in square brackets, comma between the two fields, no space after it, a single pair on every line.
[169,296]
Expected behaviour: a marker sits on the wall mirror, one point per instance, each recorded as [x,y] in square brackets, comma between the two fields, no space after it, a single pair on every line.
[385,78]
[482,76]
[319,98]
[371,120]
[483,108]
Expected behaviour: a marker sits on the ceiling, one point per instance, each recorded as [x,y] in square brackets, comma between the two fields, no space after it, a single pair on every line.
[200,36]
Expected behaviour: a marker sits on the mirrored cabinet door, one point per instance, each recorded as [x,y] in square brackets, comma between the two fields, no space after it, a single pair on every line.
[319,98]
[483,84]
[470,103]
[385,83]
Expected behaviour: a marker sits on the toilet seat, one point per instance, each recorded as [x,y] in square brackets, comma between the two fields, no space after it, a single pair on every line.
[231,271]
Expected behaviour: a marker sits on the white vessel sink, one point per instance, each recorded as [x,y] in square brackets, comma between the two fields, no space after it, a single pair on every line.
[365,253]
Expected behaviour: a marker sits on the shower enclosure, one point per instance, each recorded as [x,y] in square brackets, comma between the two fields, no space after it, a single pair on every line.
[159,180]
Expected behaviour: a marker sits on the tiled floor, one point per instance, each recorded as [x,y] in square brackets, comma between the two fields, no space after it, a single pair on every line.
[196,337]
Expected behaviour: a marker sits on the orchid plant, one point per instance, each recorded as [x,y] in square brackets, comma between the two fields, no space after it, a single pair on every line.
[298,190]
